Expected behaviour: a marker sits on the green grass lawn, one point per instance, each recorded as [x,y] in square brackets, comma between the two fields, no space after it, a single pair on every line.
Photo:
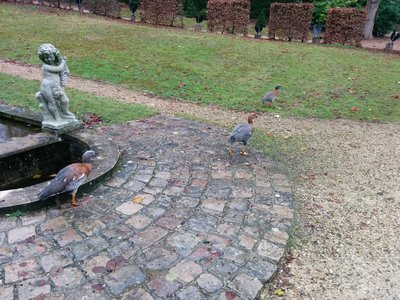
[21,92]
[206,68]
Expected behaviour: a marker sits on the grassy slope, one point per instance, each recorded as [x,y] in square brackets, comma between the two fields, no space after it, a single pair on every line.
[21,92]
[232,72]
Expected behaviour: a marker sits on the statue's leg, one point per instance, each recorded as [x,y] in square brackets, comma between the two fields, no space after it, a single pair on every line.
[64,103]
[51,105]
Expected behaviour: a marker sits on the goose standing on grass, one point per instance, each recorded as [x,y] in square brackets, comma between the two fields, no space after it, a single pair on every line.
[241,134]
[270,97]
[69,178]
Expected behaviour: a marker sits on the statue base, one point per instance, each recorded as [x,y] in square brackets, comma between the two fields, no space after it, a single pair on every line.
[62,126]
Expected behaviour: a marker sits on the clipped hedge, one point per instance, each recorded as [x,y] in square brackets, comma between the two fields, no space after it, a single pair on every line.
[232,16]
[345,26]
[159,12]
[109,8]
[290,21]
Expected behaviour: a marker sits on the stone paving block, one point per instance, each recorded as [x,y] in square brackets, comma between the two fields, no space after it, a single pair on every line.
[126,249]
[247,242]
[225,295]
[5,255]
[129,208]
[116,234]
[33,247]
[282,212]
[21,233]
[139,294]
[192,293]
[242,193]
[169,222]
[235,254]
[146,198]
[139,221]
[156,212]
[209,282]
[186,271]
[204,256]
[7,223]
[134,186]
[202,223]
[234,216]
[89,247]
[218,192]
[2,238]
[158,258]
[224,268]
[7,293]
[124,278]
[149,236]
[60,258]
[87,291]
[54,225]
[239,204]
[277,236]
[158,182]
[66,278]
[173,191]
[33,218]
[187,202]
[152,191]
[115,182]
[213,205]
[200,183]
[91,227]
[247,286]
[260,268]
[162,175]
[227,229]
[20,270]
[270,250]
[243,175]
[253,231]
[34,287]
[183,242]
[216,242]
[145,178]
[96,266]
[163,288]
[67,237]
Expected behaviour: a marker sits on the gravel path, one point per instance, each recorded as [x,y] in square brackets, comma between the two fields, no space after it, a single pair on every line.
[347,187]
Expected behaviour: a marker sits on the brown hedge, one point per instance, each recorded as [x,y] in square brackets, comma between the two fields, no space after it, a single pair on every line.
[160,12]
[290,21]
[232,16]
[345,26]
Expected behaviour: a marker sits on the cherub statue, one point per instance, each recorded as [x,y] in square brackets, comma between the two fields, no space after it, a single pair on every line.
[54,102]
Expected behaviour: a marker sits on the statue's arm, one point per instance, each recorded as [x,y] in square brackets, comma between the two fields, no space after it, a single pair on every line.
[55,69]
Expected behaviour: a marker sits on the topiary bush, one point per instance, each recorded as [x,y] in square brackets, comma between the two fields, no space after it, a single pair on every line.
[290,21]
[159,12]
[109,8]
[345,26]
[231,16]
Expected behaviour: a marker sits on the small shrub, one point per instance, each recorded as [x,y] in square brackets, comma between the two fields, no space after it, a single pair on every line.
[232,16]
[345,26]
[290,21]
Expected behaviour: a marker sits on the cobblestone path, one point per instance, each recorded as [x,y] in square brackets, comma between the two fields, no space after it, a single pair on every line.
[178,220]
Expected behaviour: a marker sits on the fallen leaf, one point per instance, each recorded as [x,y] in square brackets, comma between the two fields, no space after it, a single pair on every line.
[36,176]
[115,263]
[230,295]
[98,287]
[279,292]
[99,269]
[138,199]
[354,108]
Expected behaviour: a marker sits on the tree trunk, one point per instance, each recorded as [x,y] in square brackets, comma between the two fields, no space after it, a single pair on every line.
[371,8]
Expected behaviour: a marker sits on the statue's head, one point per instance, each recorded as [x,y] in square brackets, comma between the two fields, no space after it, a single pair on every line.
[46,50]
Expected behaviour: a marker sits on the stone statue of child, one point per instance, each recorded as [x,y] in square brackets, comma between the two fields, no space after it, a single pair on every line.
[54,102]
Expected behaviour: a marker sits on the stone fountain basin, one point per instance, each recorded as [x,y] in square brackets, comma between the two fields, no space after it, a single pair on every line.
[107,156]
